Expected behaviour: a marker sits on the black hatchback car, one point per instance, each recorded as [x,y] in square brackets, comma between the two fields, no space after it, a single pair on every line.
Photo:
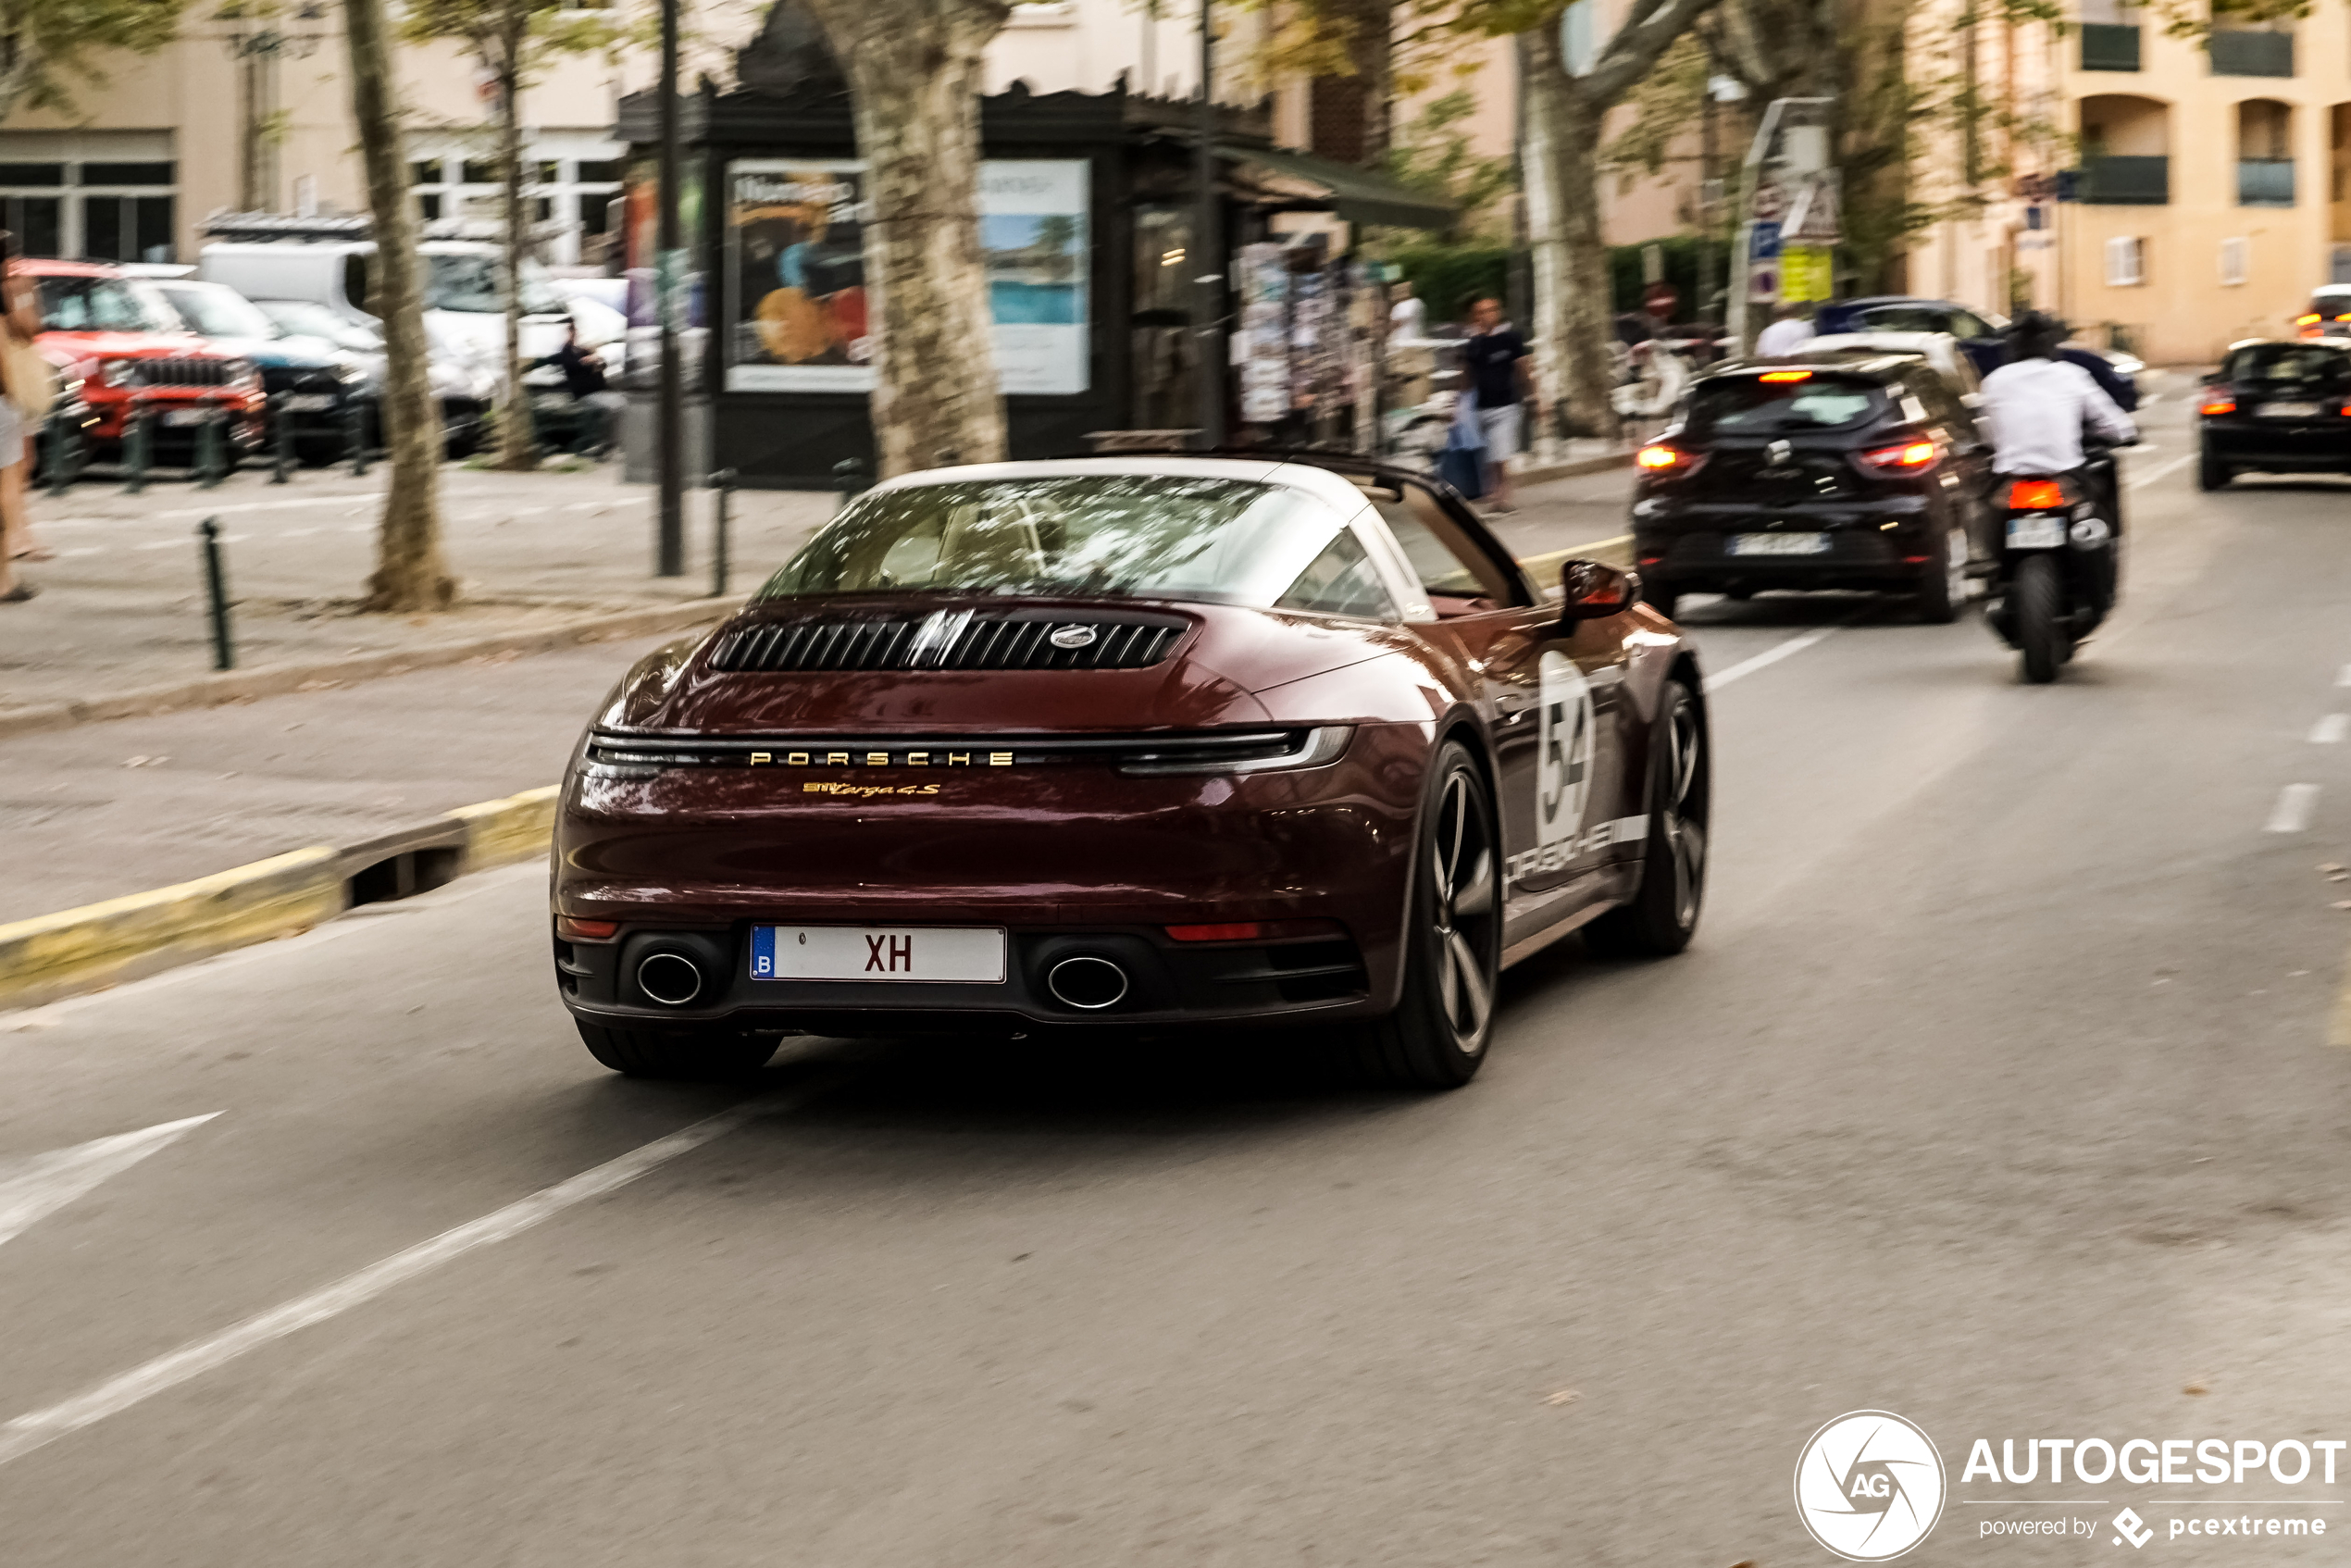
[2276,407]
[1832,470]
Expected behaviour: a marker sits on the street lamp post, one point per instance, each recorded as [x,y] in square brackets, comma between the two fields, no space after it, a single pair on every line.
[1208,249]
[669,285]
[256,43]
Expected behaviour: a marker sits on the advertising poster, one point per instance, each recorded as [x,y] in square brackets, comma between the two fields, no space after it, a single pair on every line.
[796,298]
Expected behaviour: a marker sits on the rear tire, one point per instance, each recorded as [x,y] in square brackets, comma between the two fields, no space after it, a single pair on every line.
[1943,580]
[2210,472]
[2037,600]
[1437,1037]
[1662,916]
[677,1053]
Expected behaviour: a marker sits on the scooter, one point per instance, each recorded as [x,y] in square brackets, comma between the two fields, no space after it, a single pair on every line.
[2059,569]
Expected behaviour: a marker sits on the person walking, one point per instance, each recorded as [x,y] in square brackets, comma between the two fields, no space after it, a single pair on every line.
[1496,359]
[1791,331]
[19,365]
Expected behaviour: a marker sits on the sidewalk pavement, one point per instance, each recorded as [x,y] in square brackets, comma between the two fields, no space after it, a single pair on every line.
[123,608]
[101,809]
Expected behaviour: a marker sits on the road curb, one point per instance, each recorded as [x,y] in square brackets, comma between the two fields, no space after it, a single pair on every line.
[50,957]
[1573,469]
[279,680]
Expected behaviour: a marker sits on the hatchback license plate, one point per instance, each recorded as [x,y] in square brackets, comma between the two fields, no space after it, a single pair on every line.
[2037,532]
[309,403]
[972,954]
[2289,411]
[1779,544]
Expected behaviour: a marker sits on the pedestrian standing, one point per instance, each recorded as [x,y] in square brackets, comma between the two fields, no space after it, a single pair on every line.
[1789,332]
[1408,318]
[20,369]
[1496,359]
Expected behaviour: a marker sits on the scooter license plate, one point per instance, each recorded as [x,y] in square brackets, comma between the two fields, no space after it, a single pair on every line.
[2040,531]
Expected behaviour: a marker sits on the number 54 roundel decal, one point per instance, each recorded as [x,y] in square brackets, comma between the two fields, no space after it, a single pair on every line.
[1563,772]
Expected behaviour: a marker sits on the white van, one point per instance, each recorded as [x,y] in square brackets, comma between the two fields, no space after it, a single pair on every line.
[463,313]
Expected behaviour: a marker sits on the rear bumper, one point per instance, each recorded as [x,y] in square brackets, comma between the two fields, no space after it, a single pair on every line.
[1869,545]
[2288,448]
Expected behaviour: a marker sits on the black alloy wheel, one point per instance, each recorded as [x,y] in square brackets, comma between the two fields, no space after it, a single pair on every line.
[2037,601]
[1437,1036]
[1662,916]
[2210,472]
[1942,579]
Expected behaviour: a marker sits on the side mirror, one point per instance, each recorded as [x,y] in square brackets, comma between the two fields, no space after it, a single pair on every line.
[1591,591]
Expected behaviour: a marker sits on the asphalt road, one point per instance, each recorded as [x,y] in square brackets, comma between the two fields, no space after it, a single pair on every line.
[1995,1093]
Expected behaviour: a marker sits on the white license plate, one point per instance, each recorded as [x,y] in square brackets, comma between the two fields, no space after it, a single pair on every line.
[309,403]
[967,954]
[2039,532]
[2289,411]
[1779,544]
[186,415]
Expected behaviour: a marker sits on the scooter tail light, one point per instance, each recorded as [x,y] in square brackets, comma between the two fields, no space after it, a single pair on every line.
[2035,495]
[1910,457]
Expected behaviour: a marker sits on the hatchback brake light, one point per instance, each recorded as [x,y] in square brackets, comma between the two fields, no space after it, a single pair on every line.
[1910,457]
[1663,459]
[2217,400]
[2035,495]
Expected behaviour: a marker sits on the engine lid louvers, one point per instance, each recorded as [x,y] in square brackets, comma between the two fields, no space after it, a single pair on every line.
[954,640]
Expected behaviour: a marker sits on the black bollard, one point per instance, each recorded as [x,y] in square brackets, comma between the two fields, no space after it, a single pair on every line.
[281,429]
[134,449]
[215,582]
[849,478]
[722,484]
[211,449]
[62,429]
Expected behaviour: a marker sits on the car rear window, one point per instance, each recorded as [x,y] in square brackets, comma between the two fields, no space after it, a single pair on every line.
[2295,365]
[1762,406]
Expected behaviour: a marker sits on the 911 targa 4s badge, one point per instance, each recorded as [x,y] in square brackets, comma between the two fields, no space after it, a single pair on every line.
[1134,741]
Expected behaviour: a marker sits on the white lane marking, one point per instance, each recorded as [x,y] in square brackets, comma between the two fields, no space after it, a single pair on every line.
[2292,812]
[2150,478]
[34,1188]
[1773,655]
[197,1357]
[2343,676]
[2330,729]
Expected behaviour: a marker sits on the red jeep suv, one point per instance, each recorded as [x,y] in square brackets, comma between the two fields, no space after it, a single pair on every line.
[126,344]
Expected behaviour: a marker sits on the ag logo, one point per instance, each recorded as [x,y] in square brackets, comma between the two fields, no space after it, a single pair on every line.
[1563,775]
[1869,1485]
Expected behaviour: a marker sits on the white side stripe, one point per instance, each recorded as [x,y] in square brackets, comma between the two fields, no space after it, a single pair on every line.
[2296,802]
[197,1357]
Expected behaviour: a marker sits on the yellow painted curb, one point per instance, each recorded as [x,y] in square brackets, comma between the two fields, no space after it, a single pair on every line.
[53,956]
[500,832]
[103,944]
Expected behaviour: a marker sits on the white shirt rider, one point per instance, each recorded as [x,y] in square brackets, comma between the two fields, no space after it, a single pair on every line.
[2035,409]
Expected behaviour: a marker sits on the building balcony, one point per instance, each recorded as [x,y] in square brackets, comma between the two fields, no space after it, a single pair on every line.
[2126,182]
[2265,183]
[2105,46]
[2243,52]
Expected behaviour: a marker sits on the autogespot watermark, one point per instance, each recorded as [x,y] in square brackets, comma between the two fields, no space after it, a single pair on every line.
[1870,1485]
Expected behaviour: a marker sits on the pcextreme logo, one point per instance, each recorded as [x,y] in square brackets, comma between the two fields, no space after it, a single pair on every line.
[1869,1485]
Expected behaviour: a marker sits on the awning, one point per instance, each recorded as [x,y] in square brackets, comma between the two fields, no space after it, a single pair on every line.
[1356,194]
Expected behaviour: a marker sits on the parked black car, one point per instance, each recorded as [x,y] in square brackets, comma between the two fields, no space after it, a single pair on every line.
[1827,470]
[2276,407]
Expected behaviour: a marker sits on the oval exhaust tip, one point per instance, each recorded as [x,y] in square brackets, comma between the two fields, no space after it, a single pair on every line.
[1087,982]
[670,978]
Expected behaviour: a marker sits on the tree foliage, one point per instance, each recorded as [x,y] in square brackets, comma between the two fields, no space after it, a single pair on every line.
[48,46]
[1432,152]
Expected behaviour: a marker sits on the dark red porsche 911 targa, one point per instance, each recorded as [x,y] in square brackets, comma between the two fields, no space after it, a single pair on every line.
[1155,741]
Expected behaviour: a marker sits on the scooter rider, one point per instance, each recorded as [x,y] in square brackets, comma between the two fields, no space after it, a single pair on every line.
[2037,404]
